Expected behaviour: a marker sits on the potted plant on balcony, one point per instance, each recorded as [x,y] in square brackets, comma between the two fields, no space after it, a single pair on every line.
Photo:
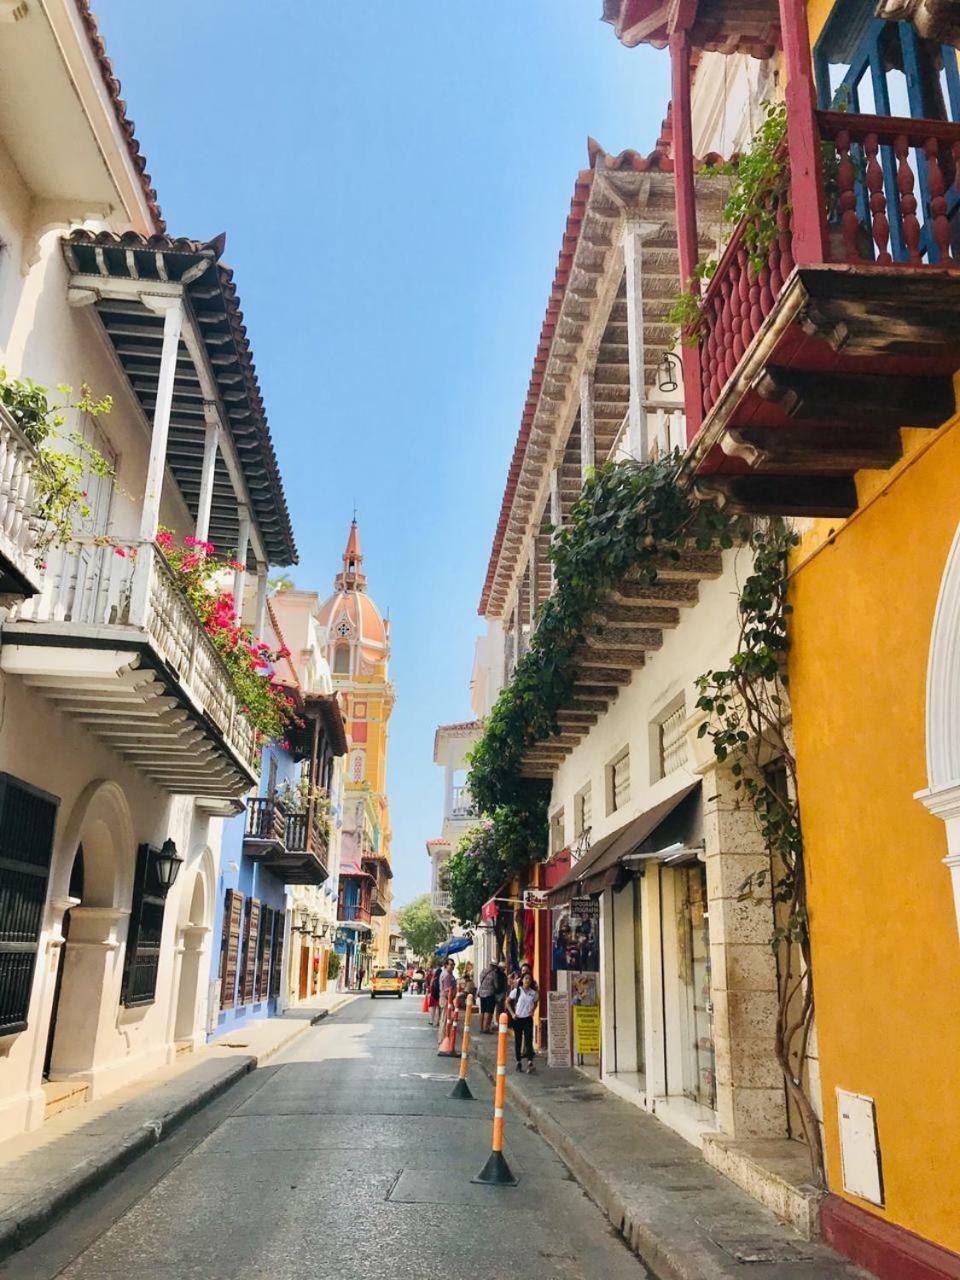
[249,660]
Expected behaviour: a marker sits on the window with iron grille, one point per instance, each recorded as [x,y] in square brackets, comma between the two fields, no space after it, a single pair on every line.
[230,948]
[671,738]
[27,820]
[618,781]
[141,962]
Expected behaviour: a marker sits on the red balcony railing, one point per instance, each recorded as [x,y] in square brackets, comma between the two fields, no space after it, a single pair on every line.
[892,200]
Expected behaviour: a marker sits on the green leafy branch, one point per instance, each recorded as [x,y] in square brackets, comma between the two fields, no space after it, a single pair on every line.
[58,473]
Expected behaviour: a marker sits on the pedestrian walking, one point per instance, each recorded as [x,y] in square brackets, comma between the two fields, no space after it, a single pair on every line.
[448,990]
[491,985]
[521,1003]
[434,990]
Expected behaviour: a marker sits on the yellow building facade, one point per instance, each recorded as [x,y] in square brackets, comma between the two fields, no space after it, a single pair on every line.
[359,654]
[883,914]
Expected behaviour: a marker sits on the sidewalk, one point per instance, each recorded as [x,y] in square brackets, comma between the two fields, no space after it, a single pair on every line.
[682,1218]
[43,1172]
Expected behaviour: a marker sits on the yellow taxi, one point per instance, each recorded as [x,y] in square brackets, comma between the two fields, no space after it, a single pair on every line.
[386,982]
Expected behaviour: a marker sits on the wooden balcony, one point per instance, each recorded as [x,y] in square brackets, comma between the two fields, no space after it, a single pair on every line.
[807,370]
[292,846]
[19,575]
[353,913]
[266,827]
[113,642]
[307,848]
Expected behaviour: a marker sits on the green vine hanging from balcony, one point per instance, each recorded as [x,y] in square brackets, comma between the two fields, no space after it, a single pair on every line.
[58,473]
[759,188]
[630,517]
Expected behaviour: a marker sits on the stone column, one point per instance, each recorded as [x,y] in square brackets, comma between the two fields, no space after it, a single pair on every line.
[743,972]
[90,994]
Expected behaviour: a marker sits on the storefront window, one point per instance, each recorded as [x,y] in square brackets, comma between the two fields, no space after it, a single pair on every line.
[693,937]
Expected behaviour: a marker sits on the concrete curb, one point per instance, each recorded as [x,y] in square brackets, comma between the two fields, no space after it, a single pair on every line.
[656,1254]
[33,1216]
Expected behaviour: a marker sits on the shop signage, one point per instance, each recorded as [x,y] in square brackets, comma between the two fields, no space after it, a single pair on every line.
[576,937]
[559,1048]
[534,899]
[586,1028]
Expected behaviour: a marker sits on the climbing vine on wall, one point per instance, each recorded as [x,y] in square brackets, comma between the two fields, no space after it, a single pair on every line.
[748,723]
[630,518]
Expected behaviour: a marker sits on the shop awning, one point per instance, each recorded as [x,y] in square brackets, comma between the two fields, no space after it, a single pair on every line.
[600,868]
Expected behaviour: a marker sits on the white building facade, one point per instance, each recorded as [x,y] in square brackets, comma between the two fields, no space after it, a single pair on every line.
[122,743]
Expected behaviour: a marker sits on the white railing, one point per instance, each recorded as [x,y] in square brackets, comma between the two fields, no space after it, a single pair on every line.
[439,900]
[462,805]
[97,584]
[19,528]
[666,428]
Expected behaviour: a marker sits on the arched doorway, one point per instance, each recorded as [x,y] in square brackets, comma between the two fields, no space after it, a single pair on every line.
[942,794]
[96,861]
[75,894]
[190,1015]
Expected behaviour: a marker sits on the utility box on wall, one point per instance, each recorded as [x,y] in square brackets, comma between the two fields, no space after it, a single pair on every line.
[860,1146]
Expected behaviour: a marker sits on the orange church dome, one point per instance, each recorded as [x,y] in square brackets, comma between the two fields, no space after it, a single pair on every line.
[353,621]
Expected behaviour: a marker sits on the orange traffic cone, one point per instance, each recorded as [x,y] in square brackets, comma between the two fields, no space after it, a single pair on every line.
[425,1007]
[448,1045]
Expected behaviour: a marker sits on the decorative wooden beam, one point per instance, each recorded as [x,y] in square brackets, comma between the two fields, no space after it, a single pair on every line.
[626,658]
[816,450]
[625,638]
[631,615]
[830,496]
[874,400]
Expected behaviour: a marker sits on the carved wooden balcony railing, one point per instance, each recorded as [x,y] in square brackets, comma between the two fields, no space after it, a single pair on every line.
[113,640]
[266,821]
[807,368]
[893,180]
[353,911]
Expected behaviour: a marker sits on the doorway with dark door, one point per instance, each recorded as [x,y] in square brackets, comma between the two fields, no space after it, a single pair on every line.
[75,892]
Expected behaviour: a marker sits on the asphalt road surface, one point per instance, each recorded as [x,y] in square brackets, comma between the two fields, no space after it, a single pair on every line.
[344,1157]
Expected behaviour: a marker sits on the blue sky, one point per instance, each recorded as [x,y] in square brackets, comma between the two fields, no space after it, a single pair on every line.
[393,180]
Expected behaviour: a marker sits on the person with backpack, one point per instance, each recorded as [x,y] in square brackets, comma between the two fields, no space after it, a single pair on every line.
[493,985]
[522,1003]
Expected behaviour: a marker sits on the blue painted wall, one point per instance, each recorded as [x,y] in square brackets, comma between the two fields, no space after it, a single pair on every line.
[253,881]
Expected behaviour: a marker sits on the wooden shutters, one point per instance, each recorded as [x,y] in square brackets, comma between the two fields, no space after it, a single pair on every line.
[251,935]
[262,979]
[230,948]
[27,820]
[141,962]
[276,960]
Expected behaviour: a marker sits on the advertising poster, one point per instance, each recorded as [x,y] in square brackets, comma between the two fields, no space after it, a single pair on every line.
[576,937]
[559,1047]
[583,989]
[586,1028]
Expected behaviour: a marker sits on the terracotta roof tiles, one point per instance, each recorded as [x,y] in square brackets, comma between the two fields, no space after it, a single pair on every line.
[112,85]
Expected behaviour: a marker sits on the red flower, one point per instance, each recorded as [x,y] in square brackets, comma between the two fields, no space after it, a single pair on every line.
[119,551]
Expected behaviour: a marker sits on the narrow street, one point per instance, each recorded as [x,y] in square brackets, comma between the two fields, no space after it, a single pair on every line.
[343,1156]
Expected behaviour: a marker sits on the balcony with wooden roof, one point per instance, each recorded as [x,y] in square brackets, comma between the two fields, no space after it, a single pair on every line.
[806,367]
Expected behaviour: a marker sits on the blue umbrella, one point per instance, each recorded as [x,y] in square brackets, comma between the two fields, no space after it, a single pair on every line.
[453,945]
